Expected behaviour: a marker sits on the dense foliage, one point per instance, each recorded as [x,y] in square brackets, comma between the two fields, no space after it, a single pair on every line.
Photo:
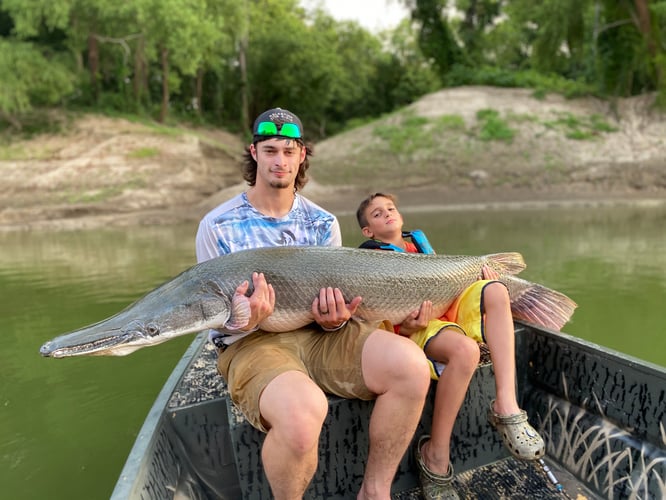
[605,47]
[223,61]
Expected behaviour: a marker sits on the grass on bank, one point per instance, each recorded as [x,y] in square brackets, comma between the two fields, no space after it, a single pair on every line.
[411,132]
[489,148]
[60,122]
[101,194]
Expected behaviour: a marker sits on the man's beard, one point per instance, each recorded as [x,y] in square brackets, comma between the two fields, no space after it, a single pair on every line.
[281,184]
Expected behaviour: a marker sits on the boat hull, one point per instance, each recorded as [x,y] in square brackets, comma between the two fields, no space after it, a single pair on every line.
[602,415]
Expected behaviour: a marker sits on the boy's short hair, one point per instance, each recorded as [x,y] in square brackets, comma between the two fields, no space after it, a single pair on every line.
[360,212]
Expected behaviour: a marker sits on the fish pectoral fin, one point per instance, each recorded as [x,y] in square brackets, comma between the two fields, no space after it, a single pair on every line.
[240,312]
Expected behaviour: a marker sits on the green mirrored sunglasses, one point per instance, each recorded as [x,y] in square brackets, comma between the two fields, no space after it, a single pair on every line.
[286,129]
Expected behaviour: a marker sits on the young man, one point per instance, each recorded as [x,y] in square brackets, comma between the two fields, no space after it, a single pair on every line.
[277,378]
[482,313]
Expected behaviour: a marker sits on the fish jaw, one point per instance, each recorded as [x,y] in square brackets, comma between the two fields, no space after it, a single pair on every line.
[92,341]
[128,331]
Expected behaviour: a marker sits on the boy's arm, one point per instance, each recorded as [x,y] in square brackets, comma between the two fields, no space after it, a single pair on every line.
[416,320]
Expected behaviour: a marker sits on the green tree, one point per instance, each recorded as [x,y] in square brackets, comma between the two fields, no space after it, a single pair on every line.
[553,32]
[350,68]
[478,17]
[29,79]
[630,41]
[289,63]
[436,38]
[179,32]
[615,46]
[32,74]
[404,73]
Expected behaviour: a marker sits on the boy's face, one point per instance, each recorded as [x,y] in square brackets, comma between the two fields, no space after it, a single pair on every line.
[384,220]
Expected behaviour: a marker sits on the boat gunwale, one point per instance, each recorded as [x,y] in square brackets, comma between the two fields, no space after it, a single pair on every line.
[148,434]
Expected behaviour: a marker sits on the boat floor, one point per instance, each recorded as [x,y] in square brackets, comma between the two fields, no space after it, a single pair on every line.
[513,479]
[505,478]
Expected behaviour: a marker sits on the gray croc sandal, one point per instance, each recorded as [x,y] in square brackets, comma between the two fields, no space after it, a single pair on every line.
[520,438]
[434,486]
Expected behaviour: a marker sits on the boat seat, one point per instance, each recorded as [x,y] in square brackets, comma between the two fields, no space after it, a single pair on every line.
[344,443]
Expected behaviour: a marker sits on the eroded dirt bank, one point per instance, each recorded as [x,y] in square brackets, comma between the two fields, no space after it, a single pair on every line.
[105,171]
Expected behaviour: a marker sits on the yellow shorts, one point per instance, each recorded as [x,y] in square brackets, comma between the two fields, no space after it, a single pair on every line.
[331,359]
[464,315]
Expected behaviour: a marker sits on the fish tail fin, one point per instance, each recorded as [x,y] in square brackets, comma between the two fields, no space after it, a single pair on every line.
[537,304]
[507,262]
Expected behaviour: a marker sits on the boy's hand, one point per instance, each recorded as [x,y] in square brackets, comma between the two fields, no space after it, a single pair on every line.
[488,273]
[417,319]
[330,309]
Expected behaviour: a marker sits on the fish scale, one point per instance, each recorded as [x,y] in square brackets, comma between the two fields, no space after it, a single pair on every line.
[392,285]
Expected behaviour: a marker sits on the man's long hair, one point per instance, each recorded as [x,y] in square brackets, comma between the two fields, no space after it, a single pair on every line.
[249,167]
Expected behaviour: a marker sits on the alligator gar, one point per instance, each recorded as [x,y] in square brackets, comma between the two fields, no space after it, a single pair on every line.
[392,284]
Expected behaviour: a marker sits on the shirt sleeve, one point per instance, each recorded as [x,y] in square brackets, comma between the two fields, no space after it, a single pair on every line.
[335,239]
[206,243]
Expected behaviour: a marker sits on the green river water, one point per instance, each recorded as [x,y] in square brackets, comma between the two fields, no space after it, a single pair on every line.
[67,425]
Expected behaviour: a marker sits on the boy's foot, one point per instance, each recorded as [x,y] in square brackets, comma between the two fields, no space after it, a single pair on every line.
[434,486]
[520,438]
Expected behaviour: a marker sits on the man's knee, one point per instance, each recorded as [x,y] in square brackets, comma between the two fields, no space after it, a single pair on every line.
[391,361]
[302,430]
[295,408]
[416,364]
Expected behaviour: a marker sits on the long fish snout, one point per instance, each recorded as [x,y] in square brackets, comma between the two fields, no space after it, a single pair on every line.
[82,344]
[188,303]
[115,336]
[47,349]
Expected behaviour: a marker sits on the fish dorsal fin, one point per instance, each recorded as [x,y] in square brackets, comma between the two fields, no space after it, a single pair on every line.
[240,312]
[507,262]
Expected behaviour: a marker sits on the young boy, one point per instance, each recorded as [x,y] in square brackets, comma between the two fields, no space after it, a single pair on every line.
[481,313]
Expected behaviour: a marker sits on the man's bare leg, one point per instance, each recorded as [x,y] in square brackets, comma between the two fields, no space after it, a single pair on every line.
[294,409]
[395,368]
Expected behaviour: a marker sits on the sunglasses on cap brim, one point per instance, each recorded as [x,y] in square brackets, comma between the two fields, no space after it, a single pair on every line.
[290,130]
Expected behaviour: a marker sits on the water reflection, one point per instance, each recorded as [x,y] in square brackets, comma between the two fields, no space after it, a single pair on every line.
[69,424]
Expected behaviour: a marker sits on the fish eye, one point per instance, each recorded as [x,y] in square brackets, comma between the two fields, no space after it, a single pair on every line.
[152,329]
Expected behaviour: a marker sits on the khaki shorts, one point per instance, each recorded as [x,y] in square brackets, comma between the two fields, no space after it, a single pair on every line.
[331,359]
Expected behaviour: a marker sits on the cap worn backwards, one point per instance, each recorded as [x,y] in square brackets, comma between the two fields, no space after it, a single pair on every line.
[277,122]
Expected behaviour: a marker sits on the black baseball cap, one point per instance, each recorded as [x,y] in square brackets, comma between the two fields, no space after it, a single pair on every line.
[277,122]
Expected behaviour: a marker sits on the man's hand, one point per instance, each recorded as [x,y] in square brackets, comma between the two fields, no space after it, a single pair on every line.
[330,309]
[417,319]
[260,304]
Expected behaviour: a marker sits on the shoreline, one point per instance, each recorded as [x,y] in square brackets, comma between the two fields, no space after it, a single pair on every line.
[96,172]
[343,202]
[407,204]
